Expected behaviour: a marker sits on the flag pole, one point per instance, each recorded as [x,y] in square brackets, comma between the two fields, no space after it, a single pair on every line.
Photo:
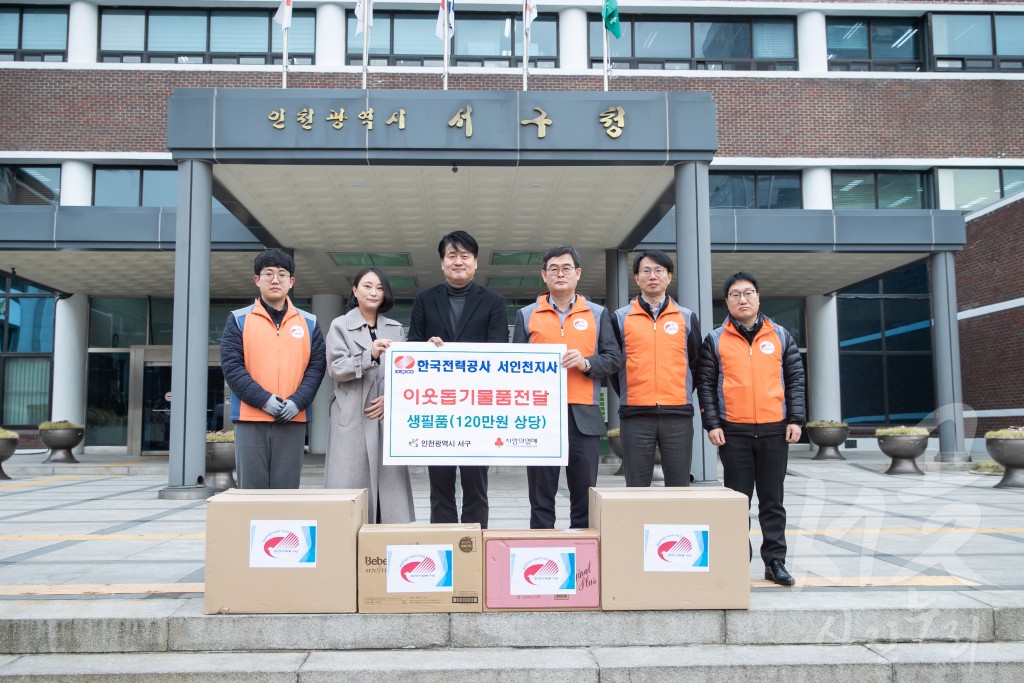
[605,49]
[366,41]
[526,46]
[284,60]
[446,46]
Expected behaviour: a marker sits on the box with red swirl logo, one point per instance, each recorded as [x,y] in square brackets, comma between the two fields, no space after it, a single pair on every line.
[542,570]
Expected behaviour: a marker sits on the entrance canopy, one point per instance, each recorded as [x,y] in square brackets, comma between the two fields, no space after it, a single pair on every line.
[332,173]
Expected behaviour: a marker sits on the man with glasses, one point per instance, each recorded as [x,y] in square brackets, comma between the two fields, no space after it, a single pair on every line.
[660,341]
[273,359]
[561,316]
[750,384]
[458,310]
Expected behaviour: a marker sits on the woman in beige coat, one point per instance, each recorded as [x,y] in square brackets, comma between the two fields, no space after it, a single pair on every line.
[354,348]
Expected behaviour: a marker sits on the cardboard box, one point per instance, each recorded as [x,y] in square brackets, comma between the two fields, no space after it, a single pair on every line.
[542,570]
[672,548]
[283,550]
[409,568]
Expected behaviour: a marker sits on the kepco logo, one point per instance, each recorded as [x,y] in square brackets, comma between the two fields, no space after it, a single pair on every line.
[405,365]
[419,569]
[675,548]
[280,543]
[542,571]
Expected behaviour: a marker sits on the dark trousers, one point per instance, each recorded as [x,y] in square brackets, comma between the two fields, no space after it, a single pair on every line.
[671,434]
[580,475]
[443,509]
[751,462]
[268,455]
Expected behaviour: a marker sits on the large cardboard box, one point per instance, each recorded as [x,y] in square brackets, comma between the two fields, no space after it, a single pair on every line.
[672,548]
[283,550]
[409,568]
[542,570]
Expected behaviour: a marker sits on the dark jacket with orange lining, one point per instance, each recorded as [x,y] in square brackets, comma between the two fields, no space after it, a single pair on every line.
[750,388]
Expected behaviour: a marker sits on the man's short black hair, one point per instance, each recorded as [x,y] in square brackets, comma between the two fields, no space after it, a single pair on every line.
[389,299]
[273,258]
[555,252]
[459,239]
[656,255]
[736,277]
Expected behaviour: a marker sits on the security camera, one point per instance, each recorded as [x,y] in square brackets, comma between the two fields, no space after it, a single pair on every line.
[455,167]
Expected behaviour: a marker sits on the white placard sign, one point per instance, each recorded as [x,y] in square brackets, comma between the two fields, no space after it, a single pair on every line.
[475,404]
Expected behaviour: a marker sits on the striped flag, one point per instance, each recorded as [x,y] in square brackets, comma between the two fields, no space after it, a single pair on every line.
[284,14]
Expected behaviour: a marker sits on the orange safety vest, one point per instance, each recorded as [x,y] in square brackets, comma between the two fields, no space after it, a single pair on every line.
[751,380]
[580,331]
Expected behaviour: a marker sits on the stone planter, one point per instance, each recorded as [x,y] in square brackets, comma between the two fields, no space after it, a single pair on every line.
[1010,454]
[903,449]
[60,442]
[828,440]
[7,448]
[220,463]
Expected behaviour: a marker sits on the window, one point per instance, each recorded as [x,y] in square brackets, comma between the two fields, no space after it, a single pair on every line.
[33,34]
[880,190]
[760,44]
[135,187]
[978,42]
[862,44]
[29,185]
[971,189]
[491,40]
[26,351]
[173,36]
[885,348]
[755,190]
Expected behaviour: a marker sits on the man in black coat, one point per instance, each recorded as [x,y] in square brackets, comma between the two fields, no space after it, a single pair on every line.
[458,310]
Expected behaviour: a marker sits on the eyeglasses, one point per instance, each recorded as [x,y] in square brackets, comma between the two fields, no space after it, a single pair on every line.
[748,294]
[270,276]
[564,270]
[647,272]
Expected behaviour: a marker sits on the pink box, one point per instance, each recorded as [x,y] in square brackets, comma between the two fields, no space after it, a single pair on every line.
[542,570]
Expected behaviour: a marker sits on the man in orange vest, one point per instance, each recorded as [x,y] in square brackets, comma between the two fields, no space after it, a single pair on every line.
[561,316]
[750,384]
[273,359]
[661,343]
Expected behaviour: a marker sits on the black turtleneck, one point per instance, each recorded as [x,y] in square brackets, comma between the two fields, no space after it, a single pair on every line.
[457,300]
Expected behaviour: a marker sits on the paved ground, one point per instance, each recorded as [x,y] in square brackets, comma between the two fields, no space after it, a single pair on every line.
[71,529]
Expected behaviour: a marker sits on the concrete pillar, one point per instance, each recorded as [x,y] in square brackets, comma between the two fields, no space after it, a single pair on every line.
[75,183]
[816,188]
[572,39]
[331,34]
[70,360]
[946,341]
[186,468]
[326,307]
[83,32]
[811,41]
[824,402]
[693,273]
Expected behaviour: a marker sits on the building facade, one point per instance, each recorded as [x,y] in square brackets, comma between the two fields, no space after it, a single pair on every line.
[848,135]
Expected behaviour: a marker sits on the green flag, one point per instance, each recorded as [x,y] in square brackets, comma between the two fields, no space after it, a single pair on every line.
[611,17]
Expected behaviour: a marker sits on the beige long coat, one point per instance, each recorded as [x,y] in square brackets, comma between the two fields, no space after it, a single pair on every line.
[354,448]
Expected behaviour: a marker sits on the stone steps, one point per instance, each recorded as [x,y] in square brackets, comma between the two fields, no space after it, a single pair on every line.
[823,617]
[867,663]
